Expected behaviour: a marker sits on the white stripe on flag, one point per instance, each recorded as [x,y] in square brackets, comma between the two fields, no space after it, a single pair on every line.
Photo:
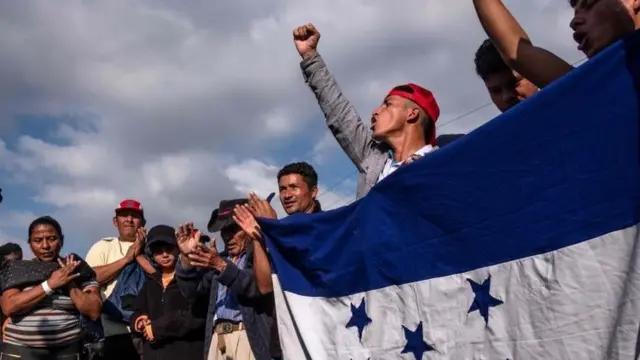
[579,302]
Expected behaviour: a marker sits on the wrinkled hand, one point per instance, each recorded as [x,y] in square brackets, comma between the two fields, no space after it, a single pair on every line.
[244,217]
[206,257]
[188,238]
[65,274]
[261,208]
[141,322]
[306,39]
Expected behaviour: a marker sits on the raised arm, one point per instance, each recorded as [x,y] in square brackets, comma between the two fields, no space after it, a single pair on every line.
[536,64]
[244,217]
[353,135]
[193,282]
[108,272]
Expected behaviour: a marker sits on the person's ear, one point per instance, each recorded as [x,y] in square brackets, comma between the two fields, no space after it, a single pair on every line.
[314,192]
[413,115]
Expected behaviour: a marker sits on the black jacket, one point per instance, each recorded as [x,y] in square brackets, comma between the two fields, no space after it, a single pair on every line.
[177,323]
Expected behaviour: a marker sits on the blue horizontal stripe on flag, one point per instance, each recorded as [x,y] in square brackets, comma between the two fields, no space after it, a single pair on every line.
[557,170]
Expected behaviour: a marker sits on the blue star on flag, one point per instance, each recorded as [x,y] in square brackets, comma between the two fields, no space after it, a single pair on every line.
[483,300]
[359,318]
[415,343]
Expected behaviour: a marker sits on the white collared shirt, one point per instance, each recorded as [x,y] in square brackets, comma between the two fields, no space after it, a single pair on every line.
[391,165]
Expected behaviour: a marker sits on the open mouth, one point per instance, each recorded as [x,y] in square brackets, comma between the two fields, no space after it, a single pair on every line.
[373,124]
[581,39]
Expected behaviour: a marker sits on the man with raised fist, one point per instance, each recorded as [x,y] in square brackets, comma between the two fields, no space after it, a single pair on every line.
[596,25]
[402,128]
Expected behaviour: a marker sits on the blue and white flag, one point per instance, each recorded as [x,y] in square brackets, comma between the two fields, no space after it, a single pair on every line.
[518,241]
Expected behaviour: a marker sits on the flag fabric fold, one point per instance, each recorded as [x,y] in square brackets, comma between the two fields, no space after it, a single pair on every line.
[518,241]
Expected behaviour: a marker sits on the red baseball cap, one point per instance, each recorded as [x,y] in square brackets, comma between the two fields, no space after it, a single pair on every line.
[131,205]
[423,98]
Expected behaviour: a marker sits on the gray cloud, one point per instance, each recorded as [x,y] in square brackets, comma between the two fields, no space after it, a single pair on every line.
[180,104]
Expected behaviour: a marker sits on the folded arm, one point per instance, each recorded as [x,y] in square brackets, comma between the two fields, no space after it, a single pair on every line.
[536,64]
[87,300]
[14,301]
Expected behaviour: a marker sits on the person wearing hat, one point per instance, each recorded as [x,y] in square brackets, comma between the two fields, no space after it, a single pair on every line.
[110,255]
[172,325]
[402,128]
[112,258]
[240,321]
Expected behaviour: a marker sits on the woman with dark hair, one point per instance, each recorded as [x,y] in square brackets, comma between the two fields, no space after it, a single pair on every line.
[44,298]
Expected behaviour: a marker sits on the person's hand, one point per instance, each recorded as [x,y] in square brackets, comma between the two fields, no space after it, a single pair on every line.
[206,257]
[188,238]
[140,323]
[138,245]
[306,38]
[148,332]
[65,274]
[261,208]
[243,216]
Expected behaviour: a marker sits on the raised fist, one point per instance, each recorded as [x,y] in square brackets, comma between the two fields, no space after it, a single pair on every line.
[306,38]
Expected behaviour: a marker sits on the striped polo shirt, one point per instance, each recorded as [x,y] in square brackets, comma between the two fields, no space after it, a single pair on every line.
[54,321]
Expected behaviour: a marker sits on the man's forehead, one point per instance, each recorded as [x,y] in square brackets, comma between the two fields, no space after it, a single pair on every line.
[394,98]
[290,179]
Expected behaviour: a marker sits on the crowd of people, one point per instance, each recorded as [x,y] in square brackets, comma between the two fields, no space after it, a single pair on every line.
[170,293]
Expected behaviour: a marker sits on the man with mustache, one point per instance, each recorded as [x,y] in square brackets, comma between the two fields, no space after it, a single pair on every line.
[596,25]
[108,257]
[298,189]
[240,320]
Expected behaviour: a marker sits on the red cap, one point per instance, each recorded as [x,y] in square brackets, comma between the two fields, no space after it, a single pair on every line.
[130,204]
[423,98]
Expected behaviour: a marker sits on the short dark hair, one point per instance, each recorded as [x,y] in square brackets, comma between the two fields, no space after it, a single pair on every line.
[488,60]
[303,169]
[10,248]
[47,220]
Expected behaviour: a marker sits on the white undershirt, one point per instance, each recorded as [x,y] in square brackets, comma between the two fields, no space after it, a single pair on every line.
[391,165]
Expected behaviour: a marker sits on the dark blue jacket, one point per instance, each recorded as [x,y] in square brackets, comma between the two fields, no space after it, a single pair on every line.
[257,309]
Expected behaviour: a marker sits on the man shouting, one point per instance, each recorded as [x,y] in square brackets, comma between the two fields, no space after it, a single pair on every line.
[402,128]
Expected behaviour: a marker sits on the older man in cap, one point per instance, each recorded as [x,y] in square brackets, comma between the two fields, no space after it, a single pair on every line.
[402,128]
[240,318]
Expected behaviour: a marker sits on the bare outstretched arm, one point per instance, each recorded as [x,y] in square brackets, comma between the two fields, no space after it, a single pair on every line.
[536,64]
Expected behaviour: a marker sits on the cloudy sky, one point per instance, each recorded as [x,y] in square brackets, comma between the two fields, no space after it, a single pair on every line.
[180,104]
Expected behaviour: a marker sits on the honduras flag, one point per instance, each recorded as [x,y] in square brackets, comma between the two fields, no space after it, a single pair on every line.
[518,241]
